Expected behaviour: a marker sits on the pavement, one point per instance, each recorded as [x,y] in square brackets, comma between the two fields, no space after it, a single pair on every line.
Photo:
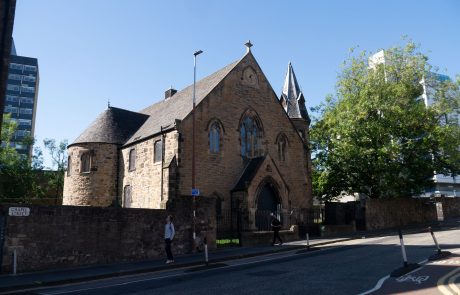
[10,282]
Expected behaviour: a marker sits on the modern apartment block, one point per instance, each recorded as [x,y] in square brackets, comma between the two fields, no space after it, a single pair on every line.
[21,98]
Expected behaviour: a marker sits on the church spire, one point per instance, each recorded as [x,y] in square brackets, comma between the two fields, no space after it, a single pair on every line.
[292,97]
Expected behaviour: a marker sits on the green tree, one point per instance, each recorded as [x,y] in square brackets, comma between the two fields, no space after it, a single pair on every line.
[58,153]
[377,137]
[19,181]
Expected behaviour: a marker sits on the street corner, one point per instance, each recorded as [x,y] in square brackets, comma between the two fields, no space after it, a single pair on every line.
[435,277]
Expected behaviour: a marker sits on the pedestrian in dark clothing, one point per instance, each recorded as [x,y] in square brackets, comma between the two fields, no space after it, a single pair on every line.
[276,226]
[169,235]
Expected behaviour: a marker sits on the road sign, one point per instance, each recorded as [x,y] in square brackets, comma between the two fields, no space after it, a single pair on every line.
[19,211]
[195,192]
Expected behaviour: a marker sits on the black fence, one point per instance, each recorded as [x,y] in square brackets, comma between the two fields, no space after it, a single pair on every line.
[230,223]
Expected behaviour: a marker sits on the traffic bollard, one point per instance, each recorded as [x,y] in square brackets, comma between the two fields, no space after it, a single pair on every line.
[403,248]
[15,261]
[407,267]
[206,251]
[440,254]
[308,241]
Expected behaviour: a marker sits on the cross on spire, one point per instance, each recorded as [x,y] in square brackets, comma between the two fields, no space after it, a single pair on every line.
[248,45]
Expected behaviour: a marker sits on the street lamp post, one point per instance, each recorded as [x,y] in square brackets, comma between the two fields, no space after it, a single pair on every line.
[193,143]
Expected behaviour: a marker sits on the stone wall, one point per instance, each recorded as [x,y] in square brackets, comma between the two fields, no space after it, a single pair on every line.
[96,187]
[145,180]
[60,236]
[450,206]
[398,212]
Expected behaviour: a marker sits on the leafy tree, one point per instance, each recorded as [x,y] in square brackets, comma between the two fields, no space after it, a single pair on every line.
[19,181]
[58,153]
[376,135]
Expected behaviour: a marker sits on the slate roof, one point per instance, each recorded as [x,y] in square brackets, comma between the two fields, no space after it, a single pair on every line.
[178,106]
[295,101]
[248,174]
[114,126]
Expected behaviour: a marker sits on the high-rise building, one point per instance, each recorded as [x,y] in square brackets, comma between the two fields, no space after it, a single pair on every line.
[21,99]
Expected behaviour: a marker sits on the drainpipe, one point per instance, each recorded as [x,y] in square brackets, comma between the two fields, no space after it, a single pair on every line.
[117,179]
[162,161]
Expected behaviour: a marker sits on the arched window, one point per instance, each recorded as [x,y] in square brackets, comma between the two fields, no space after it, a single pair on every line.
[250,134]
[214,138]
[85,162]
[282,147]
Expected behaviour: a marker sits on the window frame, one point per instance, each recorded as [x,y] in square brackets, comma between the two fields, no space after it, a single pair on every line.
[85,164]
[132,159]
[158,151]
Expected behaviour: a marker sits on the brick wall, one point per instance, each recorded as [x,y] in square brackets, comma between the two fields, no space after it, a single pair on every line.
[393,213]
[60,236]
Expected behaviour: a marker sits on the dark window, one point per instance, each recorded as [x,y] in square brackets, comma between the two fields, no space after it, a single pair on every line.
[85,162]
[132,159]
[214,138]
[69,166]
[127,197]
[158,153]
[249,135]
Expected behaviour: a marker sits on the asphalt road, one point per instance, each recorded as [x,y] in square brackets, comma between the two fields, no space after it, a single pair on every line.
[351,267]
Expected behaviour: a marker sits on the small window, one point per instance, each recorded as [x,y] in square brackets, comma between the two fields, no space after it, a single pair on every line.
[85,162]
[282,143]
[127,197]
[214,138]
[132,159]
[158,153]
[69,166]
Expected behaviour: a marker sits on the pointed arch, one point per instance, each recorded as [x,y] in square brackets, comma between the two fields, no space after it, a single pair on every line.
[282,143]
[251,134]
[215,135]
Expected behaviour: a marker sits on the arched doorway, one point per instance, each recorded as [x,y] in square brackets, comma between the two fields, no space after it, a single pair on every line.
[267,202]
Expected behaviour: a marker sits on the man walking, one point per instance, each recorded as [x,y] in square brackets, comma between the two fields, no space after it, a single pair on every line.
[276,226]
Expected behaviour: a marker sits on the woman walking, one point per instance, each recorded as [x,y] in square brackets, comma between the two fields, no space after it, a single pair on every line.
[169,235]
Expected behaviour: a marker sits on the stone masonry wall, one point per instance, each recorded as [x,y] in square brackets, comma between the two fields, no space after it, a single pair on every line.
[393,213]
[94,188]
[62,236]
[450,206]
[218,173]
[145,180]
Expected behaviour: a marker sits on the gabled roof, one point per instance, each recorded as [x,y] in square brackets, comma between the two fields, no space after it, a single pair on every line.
[294,101]
[178,106]
[248,174]
[114,126]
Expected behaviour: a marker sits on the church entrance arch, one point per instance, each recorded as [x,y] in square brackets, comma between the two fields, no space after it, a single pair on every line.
[268,201]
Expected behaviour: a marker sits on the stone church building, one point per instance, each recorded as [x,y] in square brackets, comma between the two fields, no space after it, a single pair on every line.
[250,145]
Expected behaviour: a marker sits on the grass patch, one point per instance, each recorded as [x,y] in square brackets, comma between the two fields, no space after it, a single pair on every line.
[227,242]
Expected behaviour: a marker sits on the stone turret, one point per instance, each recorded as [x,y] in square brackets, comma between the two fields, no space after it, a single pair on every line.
[93,164]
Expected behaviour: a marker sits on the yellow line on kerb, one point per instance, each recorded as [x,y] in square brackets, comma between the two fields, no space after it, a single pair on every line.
[452,284]
[443,288]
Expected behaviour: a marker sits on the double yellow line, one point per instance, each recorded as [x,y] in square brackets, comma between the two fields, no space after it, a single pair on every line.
[450,288]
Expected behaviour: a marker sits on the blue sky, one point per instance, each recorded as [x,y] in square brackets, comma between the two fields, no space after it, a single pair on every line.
[130,52]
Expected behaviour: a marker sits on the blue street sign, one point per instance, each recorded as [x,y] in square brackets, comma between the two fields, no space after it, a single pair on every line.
[195,192]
